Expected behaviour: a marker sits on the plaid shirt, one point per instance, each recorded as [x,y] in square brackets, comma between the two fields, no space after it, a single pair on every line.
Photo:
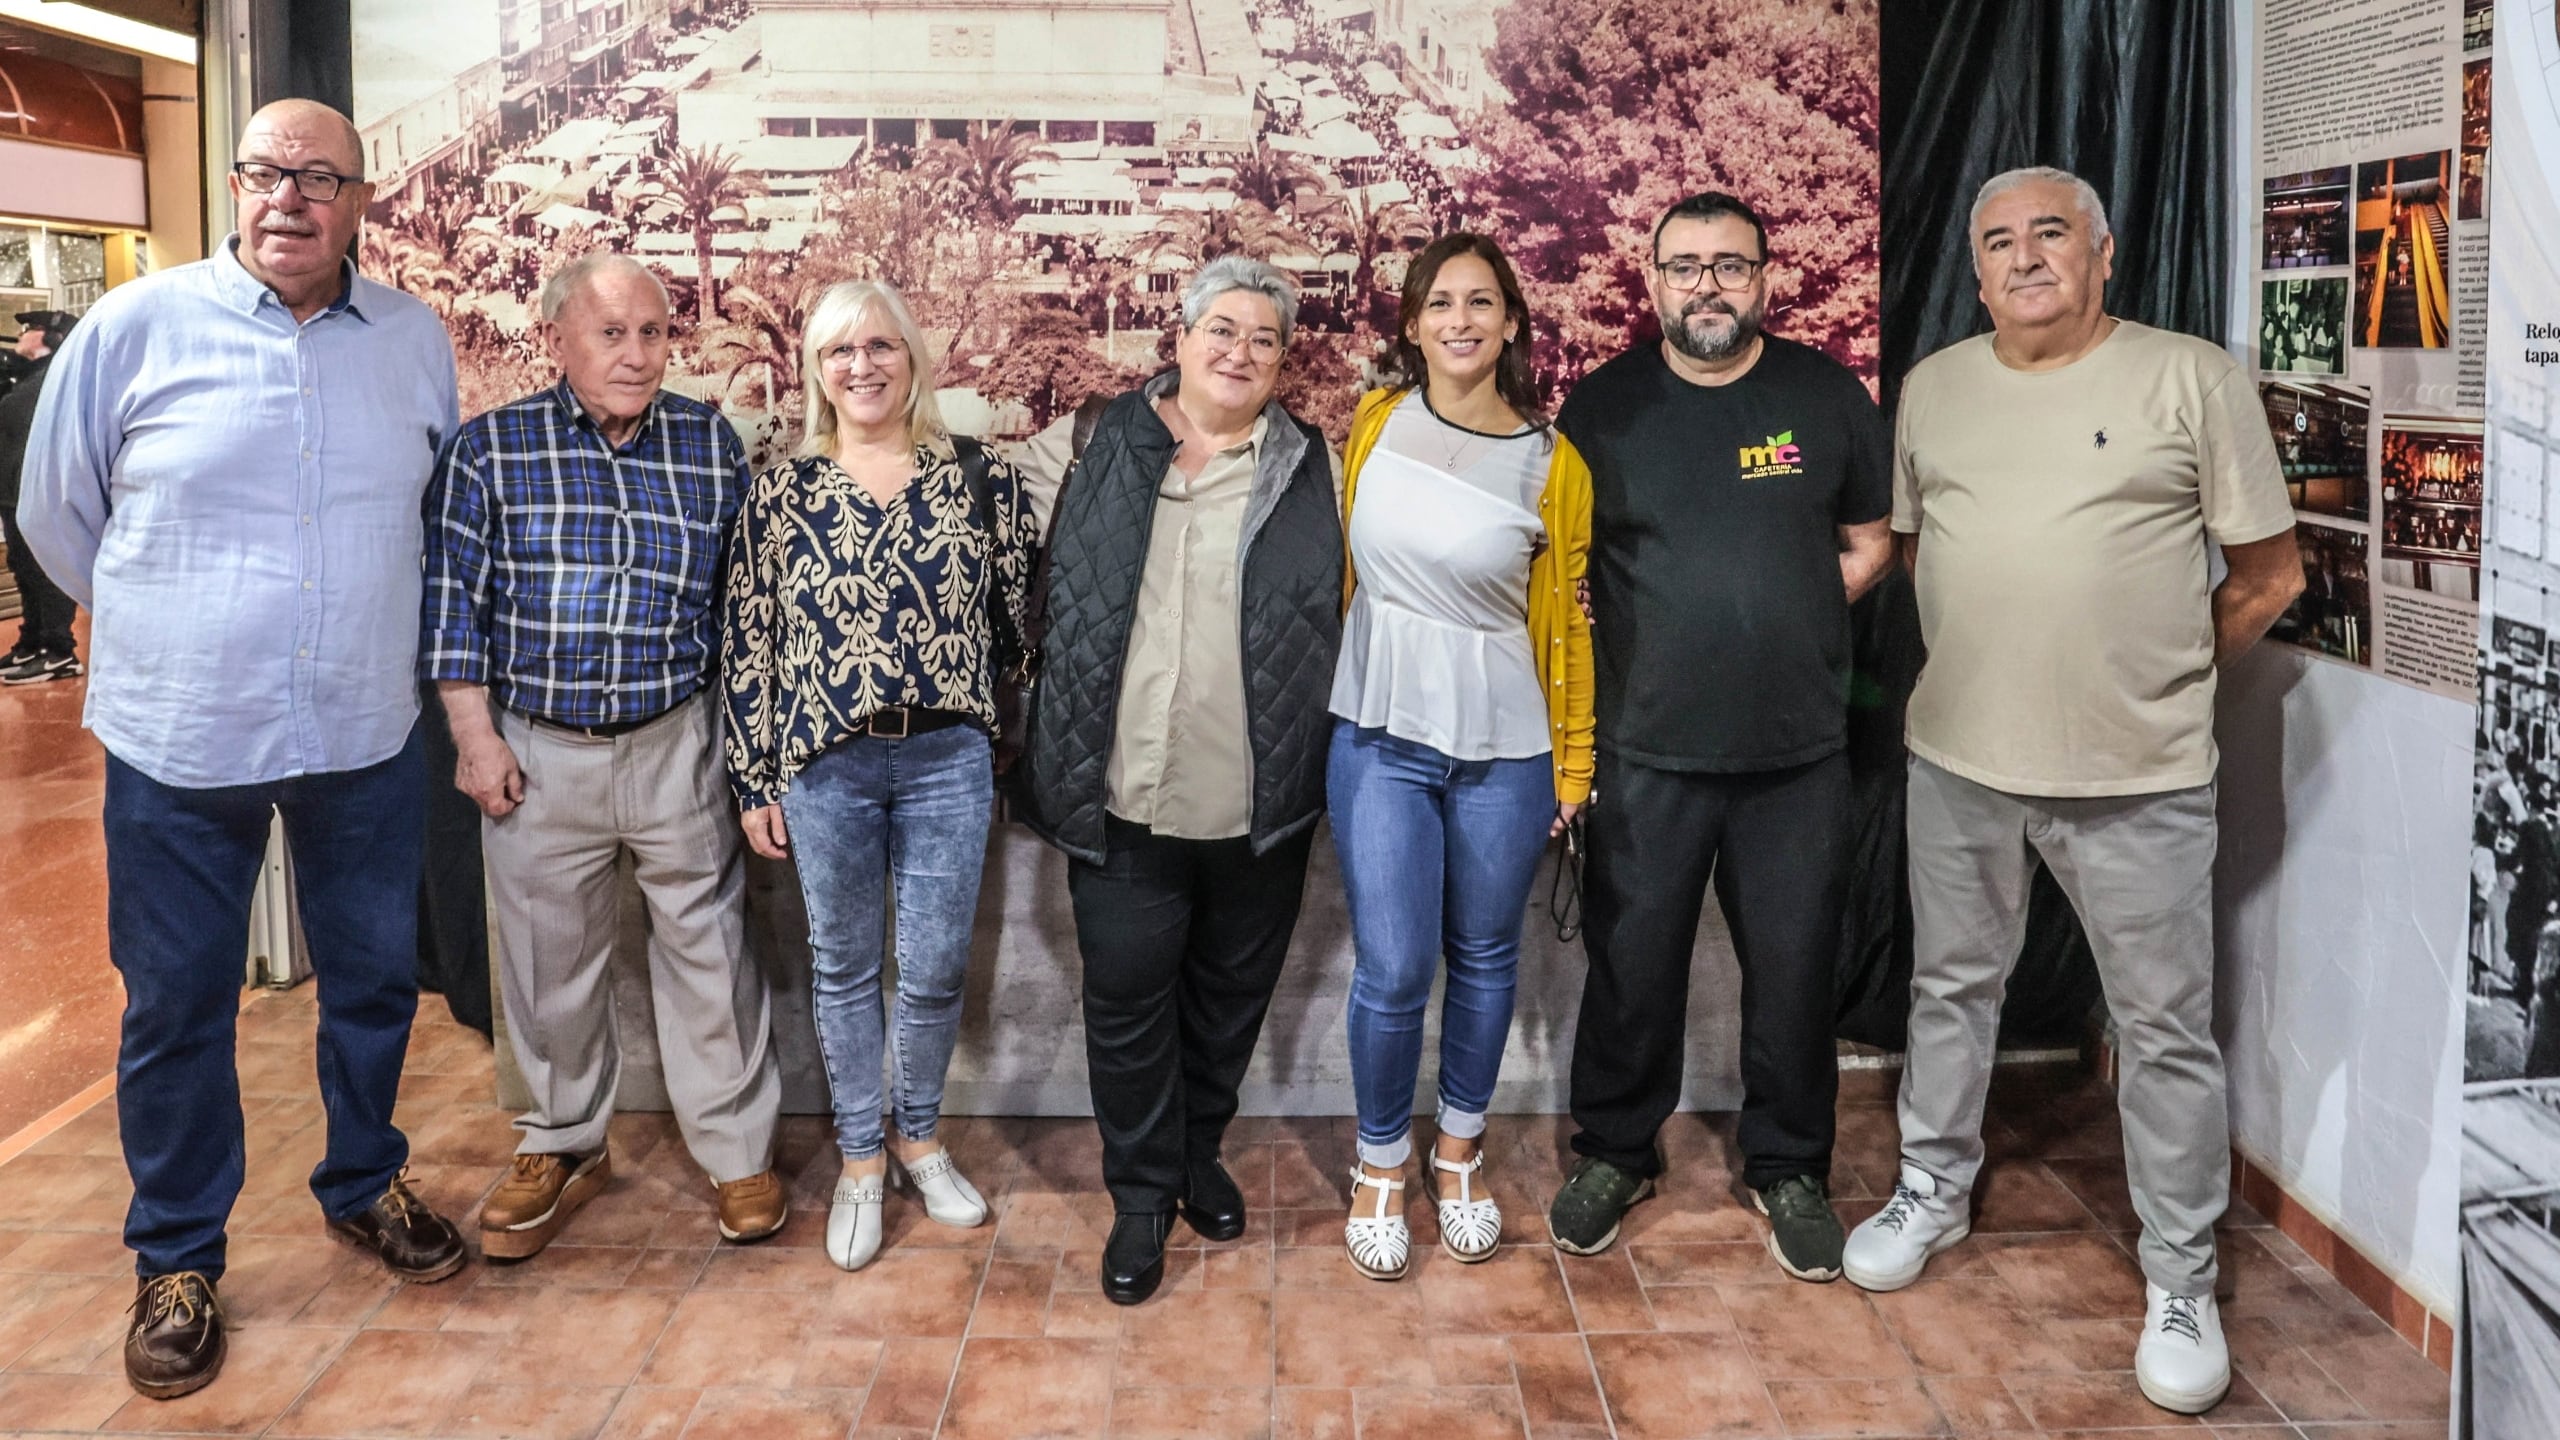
[578,581]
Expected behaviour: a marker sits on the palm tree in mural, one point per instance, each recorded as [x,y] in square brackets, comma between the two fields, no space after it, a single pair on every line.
[1365,229]
[761,335]
[401,260]
[700,181]
[1247,227]
[979,173]
[1281,180]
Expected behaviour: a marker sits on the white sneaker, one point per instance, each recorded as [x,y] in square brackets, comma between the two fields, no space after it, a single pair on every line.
[1890,1248]
[2182,1361]
[948,1196]
[853,1222]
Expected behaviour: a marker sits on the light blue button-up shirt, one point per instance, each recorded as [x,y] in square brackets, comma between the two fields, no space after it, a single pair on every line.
[235,496]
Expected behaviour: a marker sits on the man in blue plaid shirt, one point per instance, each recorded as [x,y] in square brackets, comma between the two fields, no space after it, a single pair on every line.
[574,545]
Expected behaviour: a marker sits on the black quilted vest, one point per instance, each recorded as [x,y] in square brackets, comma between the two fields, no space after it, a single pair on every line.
[1290,606]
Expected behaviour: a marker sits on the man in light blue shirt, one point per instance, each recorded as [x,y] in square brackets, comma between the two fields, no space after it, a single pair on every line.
[226,469]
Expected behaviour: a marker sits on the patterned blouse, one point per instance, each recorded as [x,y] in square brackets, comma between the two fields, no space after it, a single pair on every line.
[838,607]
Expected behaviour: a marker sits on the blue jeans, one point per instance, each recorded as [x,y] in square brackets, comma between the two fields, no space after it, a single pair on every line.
[182,865]
[864,814]
[1437,858]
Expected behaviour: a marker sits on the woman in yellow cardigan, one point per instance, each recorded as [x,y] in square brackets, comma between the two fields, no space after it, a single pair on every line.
[1462,731]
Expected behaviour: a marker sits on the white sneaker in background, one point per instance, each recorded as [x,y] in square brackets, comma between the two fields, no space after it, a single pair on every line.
[2182,1362]
[1889,1249]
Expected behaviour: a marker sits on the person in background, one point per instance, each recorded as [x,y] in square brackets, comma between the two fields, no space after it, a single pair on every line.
[873,579]
[1177,746]
[572,632]
[2058,484]
[1740,487]
[44,650]
[1462,737]
[226,469]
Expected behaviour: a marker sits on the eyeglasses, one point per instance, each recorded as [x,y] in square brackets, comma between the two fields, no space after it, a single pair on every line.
[317,186]
[1262,346]
[1732,272]
[878,352]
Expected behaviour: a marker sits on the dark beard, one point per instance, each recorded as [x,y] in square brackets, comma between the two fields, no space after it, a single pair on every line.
[1746,328]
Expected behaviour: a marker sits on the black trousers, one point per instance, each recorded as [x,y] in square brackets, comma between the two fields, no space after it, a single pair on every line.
[45,613]
[1776,845]
[1182,943]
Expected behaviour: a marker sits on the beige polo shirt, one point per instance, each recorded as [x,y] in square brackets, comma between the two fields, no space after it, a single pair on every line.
[1181,762]
[2063,581]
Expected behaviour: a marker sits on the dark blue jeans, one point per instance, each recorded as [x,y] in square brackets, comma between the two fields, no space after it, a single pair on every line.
[1437,859]
[869,813]
[182,865]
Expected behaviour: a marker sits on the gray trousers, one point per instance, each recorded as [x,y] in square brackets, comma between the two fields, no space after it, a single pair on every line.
[553,877]
[2139,872]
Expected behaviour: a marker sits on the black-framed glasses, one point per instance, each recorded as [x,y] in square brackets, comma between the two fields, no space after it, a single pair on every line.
[1732,272]
[317,186]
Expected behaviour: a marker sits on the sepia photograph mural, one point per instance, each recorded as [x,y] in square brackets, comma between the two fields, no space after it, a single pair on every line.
[1039,176]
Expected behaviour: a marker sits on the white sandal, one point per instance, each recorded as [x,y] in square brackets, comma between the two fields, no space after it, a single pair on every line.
[1380,1244]
[1469,1228]
[948,1196]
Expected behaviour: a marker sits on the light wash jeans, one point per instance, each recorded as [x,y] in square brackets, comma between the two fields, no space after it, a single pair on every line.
[1437,859]
[864,814]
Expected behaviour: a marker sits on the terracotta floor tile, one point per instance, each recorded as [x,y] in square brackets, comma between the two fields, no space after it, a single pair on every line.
[2388,1378]
[911,1386]
[1191,1413]
[2079,1276]
[1321,1345]
[904,1292]
[1013,1300]
[69,1252]
[61,1402]
[665,1269]
[582,1337]
[1969,1327]
[2295,1384]
[1314,1267]
[1697,1309]
[390,1382]
[1728,1262]
[1080,1312]
[32,1305]
[2099,1185]
[1557,1386]
[1313,1415]
[1022,1389]
[2022,1195]
[731,1338]
[89,1341]
[580,1267]
[2110,1400]
[1461,1360]
[1662,1387]
[1817,1409]
[529,1412]
[1606,1294]
[263,1372]
[1975,1404]
[1480,1413]
[1199,1337]
[1518,1291]
[1815,1332]
[755,1414]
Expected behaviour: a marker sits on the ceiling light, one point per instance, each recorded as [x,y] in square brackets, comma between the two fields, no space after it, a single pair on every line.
[98,27]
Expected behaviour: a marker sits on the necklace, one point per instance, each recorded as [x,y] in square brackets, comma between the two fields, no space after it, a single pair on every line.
[1467,439]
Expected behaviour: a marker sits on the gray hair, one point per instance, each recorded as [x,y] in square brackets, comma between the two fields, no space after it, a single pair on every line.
[1240,272]
[2093,211]
[567,281]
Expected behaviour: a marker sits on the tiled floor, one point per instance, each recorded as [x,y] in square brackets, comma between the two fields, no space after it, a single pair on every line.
[58,1017]
[640,1324]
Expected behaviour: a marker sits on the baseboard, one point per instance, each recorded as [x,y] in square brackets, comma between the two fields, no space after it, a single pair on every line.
[2367,1281]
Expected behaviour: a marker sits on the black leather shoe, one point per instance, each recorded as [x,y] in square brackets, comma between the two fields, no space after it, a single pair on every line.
[175,1345]
[1133,1258]
[1214,1206]
[415,1242]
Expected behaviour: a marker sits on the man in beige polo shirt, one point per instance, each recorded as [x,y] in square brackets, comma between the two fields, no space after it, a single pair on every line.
[2059,485]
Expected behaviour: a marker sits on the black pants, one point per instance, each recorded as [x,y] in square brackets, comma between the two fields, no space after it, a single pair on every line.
[44,613]
[1776,845]
[1182,943]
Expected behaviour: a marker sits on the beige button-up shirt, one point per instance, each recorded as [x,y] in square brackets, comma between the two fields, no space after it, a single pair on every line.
[1181,761]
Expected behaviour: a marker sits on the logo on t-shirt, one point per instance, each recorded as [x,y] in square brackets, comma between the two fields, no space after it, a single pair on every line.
[1782,456]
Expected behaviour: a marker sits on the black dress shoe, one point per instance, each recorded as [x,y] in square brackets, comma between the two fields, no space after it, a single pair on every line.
[1213,1205]
[415,1242]
[175,1345]
[1133,1258]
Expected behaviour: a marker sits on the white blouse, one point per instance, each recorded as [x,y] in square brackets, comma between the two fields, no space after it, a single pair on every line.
[1436,647]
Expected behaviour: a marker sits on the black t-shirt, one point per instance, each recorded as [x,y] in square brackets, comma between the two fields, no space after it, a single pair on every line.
[1720,627]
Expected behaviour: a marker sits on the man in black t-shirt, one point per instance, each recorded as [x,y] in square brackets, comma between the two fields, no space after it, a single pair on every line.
[1741,487]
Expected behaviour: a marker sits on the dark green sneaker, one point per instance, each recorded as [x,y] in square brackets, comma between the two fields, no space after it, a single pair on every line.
[1596,1196]
[1803,1233]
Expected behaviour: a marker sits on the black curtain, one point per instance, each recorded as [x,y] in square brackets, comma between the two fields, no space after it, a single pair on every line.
[2133,96]
[303,50]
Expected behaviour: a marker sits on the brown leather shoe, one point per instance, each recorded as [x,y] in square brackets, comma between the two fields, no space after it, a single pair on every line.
[536,1199]
[175,1345]
[414,1241]
[753,1208]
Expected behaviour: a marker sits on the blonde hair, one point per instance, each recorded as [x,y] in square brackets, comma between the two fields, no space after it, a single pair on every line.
[837,315]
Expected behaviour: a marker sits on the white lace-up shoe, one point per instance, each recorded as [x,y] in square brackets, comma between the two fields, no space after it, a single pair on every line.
[948,1196]
[2182,1361]
[853,1221]
[1892,1246]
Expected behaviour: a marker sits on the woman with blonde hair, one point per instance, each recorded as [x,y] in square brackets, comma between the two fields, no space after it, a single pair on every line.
[872,577]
